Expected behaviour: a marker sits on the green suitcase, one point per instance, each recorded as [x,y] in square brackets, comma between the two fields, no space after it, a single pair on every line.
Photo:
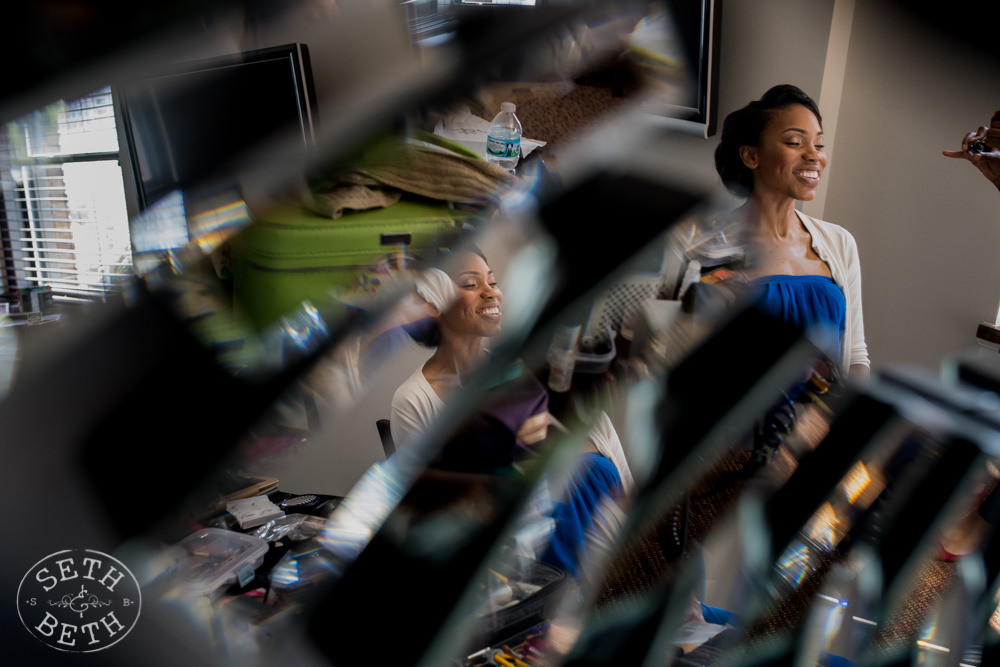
[293,255]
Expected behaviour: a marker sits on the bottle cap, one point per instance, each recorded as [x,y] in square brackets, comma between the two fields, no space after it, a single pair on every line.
[508,106]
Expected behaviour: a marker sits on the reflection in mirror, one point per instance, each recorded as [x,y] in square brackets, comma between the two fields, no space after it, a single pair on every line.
[874,577]
[199,279]
[703,416]
[523,518]
[354,523]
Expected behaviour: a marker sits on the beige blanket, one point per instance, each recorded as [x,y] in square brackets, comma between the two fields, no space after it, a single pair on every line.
[412,166]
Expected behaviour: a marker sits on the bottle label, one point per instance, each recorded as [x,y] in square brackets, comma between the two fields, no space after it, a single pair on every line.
[503,147]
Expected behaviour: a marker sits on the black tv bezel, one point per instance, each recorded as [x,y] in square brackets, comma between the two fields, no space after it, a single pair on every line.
[704,114]
[297,54]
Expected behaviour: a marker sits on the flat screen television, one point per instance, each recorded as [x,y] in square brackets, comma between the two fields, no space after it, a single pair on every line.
[191,121]
[698,22]
[695,23]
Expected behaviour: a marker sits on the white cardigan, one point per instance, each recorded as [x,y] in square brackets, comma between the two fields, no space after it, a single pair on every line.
[838,249]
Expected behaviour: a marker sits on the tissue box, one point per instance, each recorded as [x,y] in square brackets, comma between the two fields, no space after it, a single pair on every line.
[251,512]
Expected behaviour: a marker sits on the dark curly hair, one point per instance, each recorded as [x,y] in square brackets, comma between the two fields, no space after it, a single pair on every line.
[743,127]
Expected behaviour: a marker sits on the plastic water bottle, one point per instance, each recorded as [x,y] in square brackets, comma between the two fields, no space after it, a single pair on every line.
[562,357]
[503,143]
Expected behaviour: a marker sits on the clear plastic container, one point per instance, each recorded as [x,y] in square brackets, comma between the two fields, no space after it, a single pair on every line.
[596,358]
[214,558]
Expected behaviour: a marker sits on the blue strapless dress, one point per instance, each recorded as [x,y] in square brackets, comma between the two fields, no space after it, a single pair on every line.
[813,303]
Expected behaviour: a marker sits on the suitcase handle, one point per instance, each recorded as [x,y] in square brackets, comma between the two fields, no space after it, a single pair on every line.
[397,238]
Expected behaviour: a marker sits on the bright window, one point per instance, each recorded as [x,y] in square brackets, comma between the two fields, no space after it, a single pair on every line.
[64,226]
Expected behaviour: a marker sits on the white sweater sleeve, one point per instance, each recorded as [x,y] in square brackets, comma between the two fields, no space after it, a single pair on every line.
[857,348]
[609,445]
[836,246]
[415,404]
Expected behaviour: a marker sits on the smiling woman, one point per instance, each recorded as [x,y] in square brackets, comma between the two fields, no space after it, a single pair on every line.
[512,419]
[804,270]
[466,318]
[473,315]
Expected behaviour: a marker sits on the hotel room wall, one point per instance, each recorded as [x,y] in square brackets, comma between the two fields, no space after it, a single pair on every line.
[927,227]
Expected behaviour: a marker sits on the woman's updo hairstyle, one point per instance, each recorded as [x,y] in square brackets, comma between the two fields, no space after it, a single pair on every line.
[743,127]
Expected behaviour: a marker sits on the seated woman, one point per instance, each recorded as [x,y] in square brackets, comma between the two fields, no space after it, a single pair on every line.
[510,423]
